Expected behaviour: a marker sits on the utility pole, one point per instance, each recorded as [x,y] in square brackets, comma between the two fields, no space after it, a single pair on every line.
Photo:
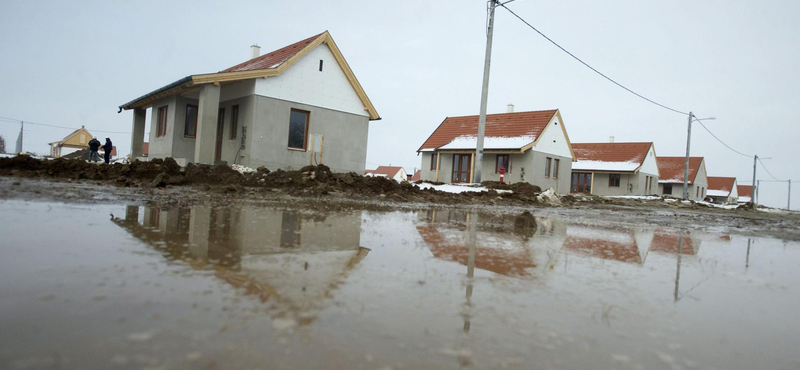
[789,197]
[686,166]
[758,190]
[484,94]
[753,195]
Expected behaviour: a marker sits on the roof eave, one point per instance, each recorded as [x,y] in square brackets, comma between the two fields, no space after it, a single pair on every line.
[164,90]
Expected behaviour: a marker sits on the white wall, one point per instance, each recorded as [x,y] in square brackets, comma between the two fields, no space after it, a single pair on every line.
[650,166]
[553,141]
[304,83]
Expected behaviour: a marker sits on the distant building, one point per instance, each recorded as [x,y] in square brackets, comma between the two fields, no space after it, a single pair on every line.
[77,140]
[745,193]
[393,172]
[532,147]
[417,176]
[291,107]
[615,169]
[2,145]
[722,190]
[671,181]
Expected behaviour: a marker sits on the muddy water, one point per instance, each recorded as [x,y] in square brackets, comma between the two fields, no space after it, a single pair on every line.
[126,287]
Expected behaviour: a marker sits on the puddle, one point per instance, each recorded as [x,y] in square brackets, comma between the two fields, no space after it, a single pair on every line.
[243,287]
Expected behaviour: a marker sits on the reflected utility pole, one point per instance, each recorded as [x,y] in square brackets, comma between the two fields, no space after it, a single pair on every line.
[747,257]
[473,221]
[678,270]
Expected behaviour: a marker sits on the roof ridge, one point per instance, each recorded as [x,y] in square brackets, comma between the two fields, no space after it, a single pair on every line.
[272,52]
[497,114]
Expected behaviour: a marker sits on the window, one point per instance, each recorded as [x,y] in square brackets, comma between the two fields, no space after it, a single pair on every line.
[190,126]
[581,183]
[161,129]
[555,167]
[667,189]
[613,180]
[697,191]
[547,162]
[503,160]
[320,65]
[298,129]
[234,121]
[434,161]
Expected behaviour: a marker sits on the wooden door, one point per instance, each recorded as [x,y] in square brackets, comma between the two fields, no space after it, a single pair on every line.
[581,183]
[461,168]
[220,131]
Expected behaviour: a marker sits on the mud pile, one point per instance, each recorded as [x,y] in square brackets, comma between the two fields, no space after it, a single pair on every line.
[308,181]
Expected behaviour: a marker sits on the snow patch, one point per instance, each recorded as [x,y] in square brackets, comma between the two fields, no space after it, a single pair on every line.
[242,169]
[489,142]
[605,166]
[456,188]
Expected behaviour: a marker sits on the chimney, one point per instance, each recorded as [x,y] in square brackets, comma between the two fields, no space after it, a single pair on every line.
[510,108]
[255,50]
[610,139]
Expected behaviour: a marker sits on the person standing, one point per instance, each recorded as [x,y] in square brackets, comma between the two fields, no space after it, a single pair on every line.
[94,145]
[107,147]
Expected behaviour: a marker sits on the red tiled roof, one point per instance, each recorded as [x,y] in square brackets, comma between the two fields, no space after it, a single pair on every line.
[666,241]
[721,183]
[145,149]
[611,152]
[274,58]
[744,190]
[497,125]
[388,171]
[671,168]
[417,176]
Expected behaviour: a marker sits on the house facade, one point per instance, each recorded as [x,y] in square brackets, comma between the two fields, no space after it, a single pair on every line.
[395,173]
[75,141]
[531,147]
[286,109]
[614,169]
[722,190]
[671,182]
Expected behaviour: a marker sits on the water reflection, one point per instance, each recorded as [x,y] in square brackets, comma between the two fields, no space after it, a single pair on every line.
[297,260]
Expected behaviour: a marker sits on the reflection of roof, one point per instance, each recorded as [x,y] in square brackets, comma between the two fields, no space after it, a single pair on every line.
[622,157]
[744,190]
[417,176]
[274,58]
[498,260]
[666,241]
[608,245]
[722,184]
[503,131]
[671,169]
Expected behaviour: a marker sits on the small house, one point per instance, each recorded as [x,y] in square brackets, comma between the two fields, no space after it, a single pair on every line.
[745,193]
[530,147]
[396,173]
[671,181]
[722,190]
[76,141]
[614,169]
[297,105]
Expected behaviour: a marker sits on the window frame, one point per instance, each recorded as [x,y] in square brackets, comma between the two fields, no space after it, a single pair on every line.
[612,177]
[161,127]
[434,160]
[507,162]
[186,120]
[556,165]
[305,137]
[548,163]
[234,121]
[664,189]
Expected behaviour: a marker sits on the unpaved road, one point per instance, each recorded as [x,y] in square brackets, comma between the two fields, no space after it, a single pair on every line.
[595,211]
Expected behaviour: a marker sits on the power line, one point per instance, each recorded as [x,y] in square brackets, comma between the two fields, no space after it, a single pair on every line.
[588,66]
[14,120]
[722,142]
[770,174]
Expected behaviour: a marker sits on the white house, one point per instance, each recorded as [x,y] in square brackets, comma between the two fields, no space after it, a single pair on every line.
[615,169]
[295,106]
[671,181]
[396,173]
[722,190]
[530,146]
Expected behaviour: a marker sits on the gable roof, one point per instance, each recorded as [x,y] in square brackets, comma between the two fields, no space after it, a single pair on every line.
[671,169]
[417,176]
[73,139]
[270,64]
[617,157]
[388,171]
[503,131]
[721,183]
[744,190]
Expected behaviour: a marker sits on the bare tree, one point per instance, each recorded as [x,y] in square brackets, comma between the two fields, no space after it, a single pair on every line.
[2,145]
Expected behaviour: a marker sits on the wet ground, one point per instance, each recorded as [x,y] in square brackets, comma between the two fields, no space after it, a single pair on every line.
[115,282]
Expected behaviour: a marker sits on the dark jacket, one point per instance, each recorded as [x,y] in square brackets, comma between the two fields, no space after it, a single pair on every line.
[94,144]
[108,146]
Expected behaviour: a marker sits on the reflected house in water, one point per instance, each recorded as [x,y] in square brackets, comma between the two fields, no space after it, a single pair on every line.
[618,244]
[292,259]
[501,251]
[668,241]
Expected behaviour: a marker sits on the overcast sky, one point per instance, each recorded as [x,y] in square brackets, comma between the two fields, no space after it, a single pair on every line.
[72,63]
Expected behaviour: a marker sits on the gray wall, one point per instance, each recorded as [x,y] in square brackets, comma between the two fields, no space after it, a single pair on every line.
[161,147]
[345,146]
[629,184]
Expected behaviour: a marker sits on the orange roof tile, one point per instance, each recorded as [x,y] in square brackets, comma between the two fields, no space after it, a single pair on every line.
[611,152]
[388,171]
[667,241]
[671,169]
[272,59]
[517,124]
[744,190]
[417,176]
[721,183]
